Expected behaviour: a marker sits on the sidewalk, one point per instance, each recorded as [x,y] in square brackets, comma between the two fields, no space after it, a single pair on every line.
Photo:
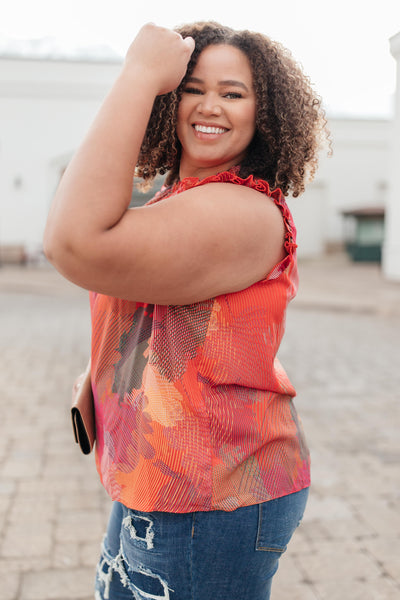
[335,283]
[330,283]
[341,350]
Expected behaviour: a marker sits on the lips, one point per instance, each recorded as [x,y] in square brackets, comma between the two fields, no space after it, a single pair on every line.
[209,129]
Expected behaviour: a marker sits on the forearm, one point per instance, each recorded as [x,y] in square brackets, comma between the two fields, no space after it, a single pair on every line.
[96,188]
[89,227]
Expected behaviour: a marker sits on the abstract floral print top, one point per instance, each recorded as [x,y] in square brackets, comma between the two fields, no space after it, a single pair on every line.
[193,409]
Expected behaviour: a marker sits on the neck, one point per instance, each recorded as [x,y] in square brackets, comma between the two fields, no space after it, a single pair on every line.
[203,172]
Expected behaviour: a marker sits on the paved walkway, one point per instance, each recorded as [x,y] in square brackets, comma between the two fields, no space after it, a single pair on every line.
[341,351]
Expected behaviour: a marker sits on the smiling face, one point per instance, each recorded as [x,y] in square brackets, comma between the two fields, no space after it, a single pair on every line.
[217,112]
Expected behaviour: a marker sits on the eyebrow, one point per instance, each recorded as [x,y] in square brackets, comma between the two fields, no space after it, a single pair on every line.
[225,82]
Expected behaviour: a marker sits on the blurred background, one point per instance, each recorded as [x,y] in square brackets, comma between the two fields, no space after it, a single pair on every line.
[58,60]
[341,347]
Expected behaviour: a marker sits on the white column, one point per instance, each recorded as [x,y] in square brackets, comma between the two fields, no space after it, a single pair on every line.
[391,246]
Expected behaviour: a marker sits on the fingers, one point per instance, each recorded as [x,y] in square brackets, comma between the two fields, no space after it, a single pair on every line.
[163,54]
[189,41]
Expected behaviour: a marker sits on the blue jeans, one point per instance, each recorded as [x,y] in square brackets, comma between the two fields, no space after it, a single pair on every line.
[196,556]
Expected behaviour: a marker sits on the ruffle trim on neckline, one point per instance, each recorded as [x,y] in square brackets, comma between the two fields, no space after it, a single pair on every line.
[255,183]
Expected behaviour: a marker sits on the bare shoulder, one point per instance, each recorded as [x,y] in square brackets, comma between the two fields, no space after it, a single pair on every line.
[247,223]
[212,239]
[228,190]
[235,201]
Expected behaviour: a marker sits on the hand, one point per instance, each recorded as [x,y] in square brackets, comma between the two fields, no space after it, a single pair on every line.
[161,55]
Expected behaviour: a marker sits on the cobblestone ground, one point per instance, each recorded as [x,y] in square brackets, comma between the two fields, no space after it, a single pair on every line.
[53,510]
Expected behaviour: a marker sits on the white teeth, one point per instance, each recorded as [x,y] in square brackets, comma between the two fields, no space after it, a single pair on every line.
[203,129]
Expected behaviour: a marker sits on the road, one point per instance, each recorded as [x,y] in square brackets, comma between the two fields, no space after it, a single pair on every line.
[342,354]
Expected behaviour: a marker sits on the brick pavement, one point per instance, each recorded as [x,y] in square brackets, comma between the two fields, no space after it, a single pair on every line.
[341,350]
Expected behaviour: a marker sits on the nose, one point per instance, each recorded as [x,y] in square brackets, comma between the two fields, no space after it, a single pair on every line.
[209,105]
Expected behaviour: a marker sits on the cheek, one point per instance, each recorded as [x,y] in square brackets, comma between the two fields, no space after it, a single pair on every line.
[184,110]
[179,123]
[249,124]
[248,116]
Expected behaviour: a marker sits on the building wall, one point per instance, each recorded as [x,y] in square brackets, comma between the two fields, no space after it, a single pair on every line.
[391,248]
[355,175]
[46,107]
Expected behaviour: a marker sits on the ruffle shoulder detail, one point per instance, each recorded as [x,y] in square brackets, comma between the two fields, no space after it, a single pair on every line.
[255,183]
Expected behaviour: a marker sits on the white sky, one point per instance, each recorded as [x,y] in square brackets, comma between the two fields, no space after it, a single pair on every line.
[343,45]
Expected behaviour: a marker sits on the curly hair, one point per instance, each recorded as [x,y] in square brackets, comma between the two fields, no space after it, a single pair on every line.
[290,122]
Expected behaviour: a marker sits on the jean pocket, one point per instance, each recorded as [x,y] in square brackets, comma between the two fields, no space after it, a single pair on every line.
[278,519]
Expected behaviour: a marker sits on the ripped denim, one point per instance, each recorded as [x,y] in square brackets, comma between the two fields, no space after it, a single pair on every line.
[196,556]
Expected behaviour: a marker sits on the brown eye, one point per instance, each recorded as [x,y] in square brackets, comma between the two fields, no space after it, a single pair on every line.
[192,90]
[233,95]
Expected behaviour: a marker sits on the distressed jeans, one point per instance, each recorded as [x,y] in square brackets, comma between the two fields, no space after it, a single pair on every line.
[212,555]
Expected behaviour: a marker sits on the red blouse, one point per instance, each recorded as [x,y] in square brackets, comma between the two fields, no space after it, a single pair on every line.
[193,409]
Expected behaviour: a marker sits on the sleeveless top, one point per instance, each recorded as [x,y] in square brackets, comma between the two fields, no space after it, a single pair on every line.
[193,409]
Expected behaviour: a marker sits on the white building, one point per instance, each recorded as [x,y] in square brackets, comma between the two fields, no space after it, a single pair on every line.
[391,248]
[356,175]
[47,105]
[45,108]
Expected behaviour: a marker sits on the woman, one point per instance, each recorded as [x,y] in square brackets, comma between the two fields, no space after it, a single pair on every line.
[198,441]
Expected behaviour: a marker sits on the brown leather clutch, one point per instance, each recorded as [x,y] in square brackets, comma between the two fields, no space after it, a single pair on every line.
[82,412]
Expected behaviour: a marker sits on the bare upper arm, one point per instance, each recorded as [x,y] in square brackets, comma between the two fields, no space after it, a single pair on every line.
[209,240]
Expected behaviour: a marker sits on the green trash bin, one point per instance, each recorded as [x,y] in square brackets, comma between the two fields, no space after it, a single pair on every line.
[365,229]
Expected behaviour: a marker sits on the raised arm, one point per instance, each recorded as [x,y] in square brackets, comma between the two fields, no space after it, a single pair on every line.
[96,189]
[212,239]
